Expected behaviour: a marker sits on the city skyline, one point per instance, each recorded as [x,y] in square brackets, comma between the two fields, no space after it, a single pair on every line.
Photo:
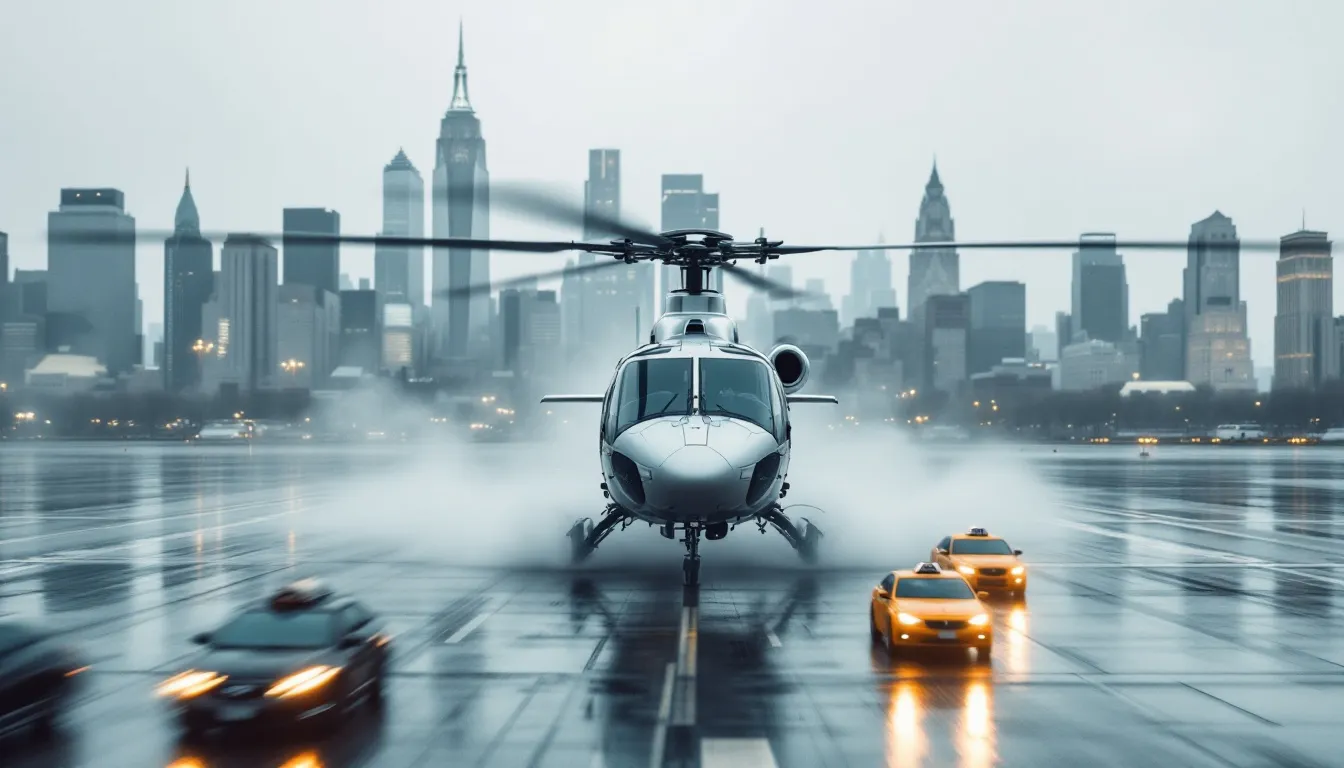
[1033,191]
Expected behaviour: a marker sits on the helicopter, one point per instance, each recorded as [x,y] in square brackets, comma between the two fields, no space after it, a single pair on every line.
[695,432]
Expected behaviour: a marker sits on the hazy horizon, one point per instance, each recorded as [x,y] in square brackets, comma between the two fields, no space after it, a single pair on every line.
[818,123]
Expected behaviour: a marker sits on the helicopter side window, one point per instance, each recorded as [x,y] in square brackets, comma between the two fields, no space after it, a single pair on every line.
[738,388]
[652,388]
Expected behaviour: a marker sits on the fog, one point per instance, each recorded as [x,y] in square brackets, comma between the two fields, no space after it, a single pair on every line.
[880,500]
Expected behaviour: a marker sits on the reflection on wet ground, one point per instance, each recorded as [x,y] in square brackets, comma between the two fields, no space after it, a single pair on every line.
[1184,611]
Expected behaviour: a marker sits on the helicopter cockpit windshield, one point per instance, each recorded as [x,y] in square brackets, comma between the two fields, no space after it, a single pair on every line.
[738,388]
[652,388]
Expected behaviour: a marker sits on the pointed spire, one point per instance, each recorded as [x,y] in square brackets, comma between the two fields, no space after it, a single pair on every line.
[934,181]
[460,103]
[186,221]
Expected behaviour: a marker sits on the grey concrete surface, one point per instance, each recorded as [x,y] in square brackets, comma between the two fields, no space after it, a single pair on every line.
[1184,610]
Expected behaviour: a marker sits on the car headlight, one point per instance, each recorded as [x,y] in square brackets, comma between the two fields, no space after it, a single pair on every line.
[966,569]
[303,682]
[980,621]
[906,619]
[190,684]
[1018,570]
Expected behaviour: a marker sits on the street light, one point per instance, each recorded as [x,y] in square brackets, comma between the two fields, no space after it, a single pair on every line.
[292,366]
[202,347]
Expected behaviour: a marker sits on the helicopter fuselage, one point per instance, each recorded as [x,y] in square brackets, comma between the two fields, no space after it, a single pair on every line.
[695,429]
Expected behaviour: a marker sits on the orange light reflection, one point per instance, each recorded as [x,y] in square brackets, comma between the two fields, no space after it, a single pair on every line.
[906,741]
[975,737]
[305,760]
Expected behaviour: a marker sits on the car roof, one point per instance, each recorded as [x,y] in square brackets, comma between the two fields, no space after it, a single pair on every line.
[910,574]
[961,536]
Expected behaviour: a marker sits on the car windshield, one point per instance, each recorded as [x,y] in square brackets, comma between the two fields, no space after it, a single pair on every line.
[652,388]
[934,589]
[737,388]
[276,630]
[981,547]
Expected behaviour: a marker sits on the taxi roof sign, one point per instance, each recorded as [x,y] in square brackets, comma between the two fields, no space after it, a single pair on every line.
[927,568]
[303,592]
[977,532]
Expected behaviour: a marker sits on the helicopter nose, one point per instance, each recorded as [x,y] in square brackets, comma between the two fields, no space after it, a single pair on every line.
[694,481]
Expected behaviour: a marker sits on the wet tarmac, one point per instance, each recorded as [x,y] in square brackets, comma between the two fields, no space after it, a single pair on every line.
[1184,610]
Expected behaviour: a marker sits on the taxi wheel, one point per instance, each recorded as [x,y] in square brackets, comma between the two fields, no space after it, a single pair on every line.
[873,631]
[984,654]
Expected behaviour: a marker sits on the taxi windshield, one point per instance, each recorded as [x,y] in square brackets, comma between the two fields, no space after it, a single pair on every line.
[289,630]
[981,547]
[934,589]
[737,388]
[651,388]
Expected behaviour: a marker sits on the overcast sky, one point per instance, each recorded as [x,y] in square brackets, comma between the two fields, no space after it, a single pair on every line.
[818,121]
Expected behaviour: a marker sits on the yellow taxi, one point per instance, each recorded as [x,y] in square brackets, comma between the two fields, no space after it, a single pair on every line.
[985,561]
[928,606]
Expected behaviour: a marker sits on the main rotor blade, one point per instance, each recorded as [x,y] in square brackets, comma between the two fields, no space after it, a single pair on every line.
[776,289]
[533,201]
[1041,245]
[575,269]
[318,238]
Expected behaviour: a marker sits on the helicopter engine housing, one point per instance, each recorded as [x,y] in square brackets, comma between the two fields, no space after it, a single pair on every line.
[792,366]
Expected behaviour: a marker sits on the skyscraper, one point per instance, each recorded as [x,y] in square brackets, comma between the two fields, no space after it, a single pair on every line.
[361,345]
[1100,291]
[188,281]
[599,308]
[308,320]
[4,259]
[946,331]
[1304,349]
[998,324]
[246,300]
[91,282]
[870,286]
[315,264]
[1216,349]
[399,271]
[1161,344]
[686,205]
[933,271]
[461,209]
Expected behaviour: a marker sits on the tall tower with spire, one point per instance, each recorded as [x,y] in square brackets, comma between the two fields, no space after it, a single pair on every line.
[933,271]
[461,208]
[188,281]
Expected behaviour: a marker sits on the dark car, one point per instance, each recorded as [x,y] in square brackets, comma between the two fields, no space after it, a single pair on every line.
[303,656]
[37,675]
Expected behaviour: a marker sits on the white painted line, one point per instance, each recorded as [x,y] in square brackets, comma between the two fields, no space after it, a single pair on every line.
[598,761]
[467,628]
[737,753]
[664,714]
[773,638]
[688,641]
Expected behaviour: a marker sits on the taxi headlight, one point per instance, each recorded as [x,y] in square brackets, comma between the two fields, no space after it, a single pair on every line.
[190,684]
[1018,570]
[980,621]
[303,682]
[906,619]
[966,569]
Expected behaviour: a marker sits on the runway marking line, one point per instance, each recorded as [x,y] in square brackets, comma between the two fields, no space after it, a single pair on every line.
[468,628]
[773,638]
[659,746]
[737,753]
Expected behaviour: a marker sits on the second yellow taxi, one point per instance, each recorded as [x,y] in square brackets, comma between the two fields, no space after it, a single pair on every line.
[927,606]
[986,562]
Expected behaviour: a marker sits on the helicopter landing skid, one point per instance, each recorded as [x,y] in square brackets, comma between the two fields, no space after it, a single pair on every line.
[584,536]
[803,536]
